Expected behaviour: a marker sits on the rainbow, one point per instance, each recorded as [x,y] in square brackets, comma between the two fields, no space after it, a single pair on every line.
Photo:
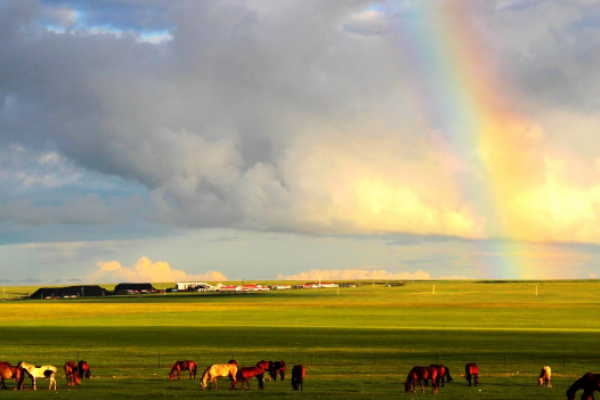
[458,92]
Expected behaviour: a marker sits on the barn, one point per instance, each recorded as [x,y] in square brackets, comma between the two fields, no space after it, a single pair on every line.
[69,292]
[134,288]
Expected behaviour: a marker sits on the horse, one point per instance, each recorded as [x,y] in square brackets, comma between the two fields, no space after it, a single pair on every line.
[218,371]
[298,374]
[179,366]
[72,373]
[244,373]
[84,369]
[472,371]
[443,372]
[589,383]
[266,365]
[8,371]
[275,367]
[34,372]
[544,378]
[419,374]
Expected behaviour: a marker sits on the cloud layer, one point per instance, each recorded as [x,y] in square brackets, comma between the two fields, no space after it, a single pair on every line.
[354,274]
[313,117]
[145,270]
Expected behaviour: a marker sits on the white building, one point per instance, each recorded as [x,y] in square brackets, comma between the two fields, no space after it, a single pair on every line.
[195,286]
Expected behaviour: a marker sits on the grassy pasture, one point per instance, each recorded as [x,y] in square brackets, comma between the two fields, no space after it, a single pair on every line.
[359,343]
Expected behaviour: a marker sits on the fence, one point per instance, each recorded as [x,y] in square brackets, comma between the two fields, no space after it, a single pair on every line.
[316,359]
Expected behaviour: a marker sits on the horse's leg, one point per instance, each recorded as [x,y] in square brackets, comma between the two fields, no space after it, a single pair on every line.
[247,383]
[3,385]
[421,383]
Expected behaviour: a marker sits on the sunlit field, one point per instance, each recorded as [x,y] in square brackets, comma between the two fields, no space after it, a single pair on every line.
[355,343]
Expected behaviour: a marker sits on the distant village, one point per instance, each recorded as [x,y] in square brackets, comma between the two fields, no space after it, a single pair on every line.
[68,292]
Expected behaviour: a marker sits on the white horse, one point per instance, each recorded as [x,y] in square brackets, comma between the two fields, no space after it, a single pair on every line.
[45,371]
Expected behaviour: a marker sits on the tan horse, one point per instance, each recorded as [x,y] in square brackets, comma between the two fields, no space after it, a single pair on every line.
[544,378]
[7,371]
[34,372]
[219,371]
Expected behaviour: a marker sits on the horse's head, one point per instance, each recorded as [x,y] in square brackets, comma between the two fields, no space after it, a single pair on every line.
[202,385]
[171,375]
[540,381]
[407,386]
[77,377]
[571,394]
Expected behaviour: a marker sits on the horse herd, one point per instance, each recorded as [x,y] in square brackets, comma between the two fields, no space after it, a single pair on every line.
[237,374]
[437,374]
[73,372]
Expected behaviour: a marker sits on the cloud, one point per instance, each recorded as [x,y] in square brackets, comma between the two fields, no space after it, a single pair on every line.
[453,277]
[258,116]
[145,270]
[351,274]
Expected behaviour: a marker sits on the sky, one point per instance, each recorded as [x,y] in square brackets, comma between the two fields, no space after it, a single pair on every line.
[167,140]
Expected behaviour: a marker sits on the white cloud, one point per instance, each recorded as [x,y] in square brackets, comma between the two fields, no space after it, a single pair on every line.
[145,270]
[453,277]
[350,274]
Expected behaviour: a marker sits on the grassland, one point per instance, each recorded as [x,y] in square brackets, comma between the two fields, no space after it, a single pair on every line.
[357,344]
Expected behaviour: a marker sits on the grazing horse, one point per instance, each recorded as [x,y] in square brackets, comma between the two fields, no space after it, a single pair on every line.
[179,366]
[589,383]
[218,371]
[8,371]
[298,374]
[245,373]
[72,373]
[34,372]
[472,371]
[275,367]
[419,374]
[443,372]
[266,365]
[544,378]
[84,370]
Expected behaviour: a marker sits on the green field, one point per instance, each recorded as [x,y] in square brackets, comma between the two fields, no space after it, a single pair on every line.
[357,344]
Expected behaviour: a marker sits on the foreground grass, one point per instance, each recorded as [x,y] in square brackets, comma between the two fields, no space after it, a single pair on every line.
[358,344]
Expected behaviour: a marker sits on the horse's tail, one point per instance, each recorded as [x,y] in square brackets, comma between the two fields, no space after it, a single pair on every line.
[448,377]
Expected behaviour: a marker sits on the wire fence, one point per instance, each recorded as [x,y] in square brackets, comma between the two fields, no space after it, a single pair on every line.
[318,359]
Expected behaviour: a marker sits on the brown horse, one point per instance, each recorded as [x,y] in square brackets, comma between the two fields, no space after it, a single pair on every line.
[589,382]
[266,366]
[8,371]
[179,366]
[298,374]
[544,378]
[218,371]
[443,372]
[84,370]
[419,374]
[275,367]
[72,373]
[245,373]
[472,372]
